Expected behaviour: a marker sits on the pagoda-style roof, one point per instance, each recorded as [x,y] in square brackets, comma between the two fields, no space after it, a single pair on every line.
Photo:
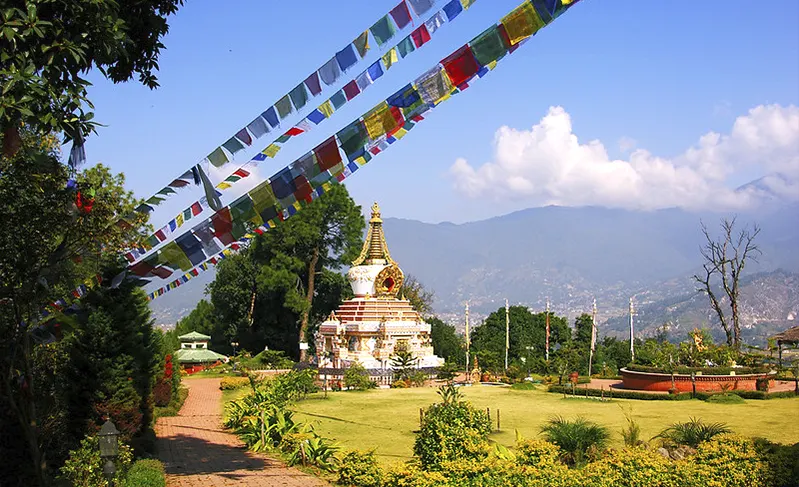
[198,355]
[791,335]
[375,249]
[194,337]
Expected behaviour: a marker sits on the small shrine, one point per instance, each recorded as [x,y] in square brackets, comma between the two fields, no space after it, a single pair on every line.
[194,353]
[375,325]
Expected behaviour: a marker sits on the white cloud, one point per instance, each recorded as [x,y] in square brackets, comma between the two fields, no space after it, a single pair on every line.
[549,165]
[626,144]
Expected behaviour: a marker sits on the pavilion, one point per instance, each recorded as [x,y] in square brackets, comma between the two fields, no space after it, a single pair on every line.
[787,337]
[194,353]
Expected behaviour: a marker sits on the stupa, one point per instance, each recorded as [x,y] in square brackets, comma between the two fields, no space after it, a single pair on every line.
[375,325]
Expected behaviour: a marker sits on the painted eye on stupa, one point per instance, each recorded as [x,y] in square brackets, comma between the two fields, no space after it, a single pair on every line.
[388,284]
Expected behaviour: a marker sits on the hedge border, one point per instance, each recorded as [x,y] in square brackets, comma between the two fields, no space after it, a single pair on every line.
[622,394]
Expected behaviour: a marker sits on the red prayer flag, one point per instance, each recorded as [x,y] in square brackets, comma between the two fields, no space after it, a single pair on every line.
[162,272]
[461,65]
[294,131]
[235,246]
[259,231]
[196,208]
[304,190]
[420,36]
[160,235]
[178,183]
[223,225]
[351,90]
[195,272]
[327,154]
[142,269]
[241,173]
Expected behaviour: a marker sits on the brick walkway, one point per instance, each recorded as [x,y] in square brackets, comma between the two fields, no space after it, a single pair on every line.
[197,452]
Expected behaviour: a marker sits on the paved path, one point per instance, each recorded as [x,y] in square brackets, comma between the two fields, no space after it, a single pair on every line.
[197,452]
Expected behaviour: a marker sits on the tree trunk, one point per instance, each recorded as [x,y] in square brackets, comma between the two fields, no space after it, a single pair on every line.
[736,325]
[309,299]
[11,140]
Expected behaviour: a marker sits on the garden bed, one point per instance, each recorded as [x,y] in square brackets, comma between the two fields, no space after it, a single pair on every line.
[635,380]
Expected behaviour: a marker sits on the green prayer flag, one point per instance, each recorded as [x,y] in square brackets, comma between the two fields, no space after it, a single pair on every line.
[383,30]
[284,107]
[488,46]
[242,210]
[217,157]
[173,256]
[405,47]
[299,96]
[282,139]
[353,137]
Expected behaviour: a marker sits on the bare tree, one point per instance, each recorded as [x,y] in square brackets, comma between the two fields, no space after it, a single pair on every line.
[724,261]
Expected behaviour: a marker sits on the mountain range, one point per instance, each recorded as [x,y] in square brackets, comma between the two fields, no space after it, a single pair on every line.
[572,256]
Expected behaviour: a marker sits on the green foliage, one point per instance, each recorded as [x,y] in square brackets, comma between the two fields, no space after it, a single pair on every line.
[448,371]
[404,364]
[272,359]
[526,330]
[310,449]
[578,439]
[231,383]
[447,344]
[146,473]
[449,394]
[692,432]
[421,298]
[523,386]
[84,467]
[451,431]
[47,48]
[360,469]
[173,408]
[356,378]
[735,461]
[534,452]
[725,399]
[631,434]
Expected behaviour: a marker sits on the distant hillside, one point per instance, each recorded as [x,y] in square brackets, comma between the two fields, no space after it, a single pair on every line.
[769,304]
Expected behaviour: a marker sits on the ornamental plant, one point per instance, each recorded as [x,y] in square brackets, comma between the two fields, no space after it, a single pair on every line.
[452,431]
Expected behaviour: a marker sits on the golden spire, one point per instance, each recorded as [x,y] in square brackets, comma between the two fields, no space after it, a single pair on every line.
[375,249]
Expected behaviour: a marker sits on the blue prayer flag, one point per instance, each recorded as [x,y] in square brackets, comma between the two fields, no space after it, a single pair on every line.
[316,116]
[375,70]
[452,9]
[346,57]
[271,116]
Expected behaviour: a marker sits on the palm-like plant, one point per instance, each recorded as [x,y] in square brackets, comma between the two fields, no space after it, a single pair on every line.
[449,394]
[693,432]
[576,438]
[403,364]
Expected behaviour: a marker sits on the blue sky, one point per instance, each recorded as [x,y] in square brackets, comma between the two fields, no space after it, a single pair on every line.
[661,74]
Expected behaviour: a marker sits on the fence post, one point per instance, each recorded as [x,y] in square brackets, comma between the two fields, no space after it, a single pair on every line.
[488,412]
[602,390]
[498,428]
[421,417]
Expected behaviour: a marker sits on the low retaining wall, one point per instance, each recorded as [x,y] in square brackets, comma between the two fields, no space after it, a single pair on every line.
[648,381]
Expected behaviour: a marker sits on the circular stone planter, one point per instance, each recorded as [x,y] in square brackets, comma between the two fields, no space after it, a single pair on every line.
[661,382]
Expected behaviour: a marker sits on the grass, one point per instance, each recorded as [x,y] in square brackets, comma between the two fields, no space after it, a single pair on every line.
[386,419]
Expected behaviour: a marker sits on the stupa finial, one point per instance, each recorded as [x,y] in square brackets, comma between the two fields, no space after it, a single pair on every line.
[375,249]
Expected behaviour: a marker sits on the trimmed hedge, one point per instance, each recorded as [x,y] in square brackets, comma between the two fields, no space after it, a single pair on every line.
[146,473]
[648,396]
[704,370]
[231,383]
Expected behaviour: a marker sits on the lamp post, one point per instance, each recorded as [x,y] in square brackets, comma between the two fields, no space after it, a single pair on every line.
[234,345]
[109,449]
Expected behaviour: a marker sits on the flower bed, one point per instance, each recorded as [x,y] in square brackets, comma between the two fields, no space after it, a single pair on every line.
[662,381]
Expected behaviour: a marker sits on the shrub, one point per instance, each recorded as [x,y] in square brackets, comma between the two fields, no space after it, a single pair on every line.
[410,475]
[451,431]
[360,469]
[162,392]
[309,449]
[417,378]
[174,406]
[692,433]
[577,438]
[631,434]
[761,384]
[84,467]
[231,383]
[356,377]
[523,386]
[632,467]
[725,399]
[735,461]
[274,359]
[537,452]
[400,384]
[146,473]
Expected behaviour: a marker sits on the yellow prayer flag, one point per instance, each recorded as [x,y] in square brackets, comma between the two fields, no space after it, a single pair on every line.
[522,23]
[326,108]
[374,120]
[361,160]
[400,133]
[467,3]
[326,186]
[297,206]
[491,65]
[179,219]
[271,224]
[271,150]
[262,196]
[223,185]
[390,58]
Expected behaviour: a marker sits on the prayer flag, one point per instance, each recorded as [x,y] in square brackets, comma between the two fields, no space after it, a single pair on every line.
[420,7]
[316,116]
[401,15]
[326,108]
[351,90]
[338,99]
[375,71]
[233,145]
[243,136]
[196,209]
[489,46]
[383,30]
[352,137]
[330,72]
[206,236]
[241,172]
[420,36]
[433,86]
[294,131]
[178,183]
[312,82]
[405,47]
[282,183]
[382,119]
[271,150]
[160,235]
[179,220]
[467,3]
[521,23]
[223,225]
[304,190]
[243,210]
[452,9]
[173,256]
[363,81]
[434,22]
[141,269]
[270,115]
[192,247]
[361,43]
[405,97]
[346,58]
[327,154]
[187,214]
[262,197]
[217,157]
[299,97]
[223,186]
[283,138]
[258,127]
[545,9]
[284,107]
[390,58]
[460,65]
[166,191]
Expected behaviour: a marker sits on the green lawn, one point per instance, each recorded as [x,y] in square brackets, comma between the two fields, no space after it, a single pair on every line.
[385,419]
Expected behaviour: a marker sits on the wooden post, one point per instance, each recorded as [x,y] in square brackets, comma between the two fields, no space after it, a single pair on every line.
[602,389]
[498,429]
[421,417]
[488,412]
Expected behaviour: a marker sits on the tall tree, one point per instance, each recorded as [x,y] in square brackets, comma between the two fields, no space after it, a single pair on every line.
[582,329]
[724,262]
[527,334]
[272,292]
[49,46]
[447,344]
[420,297]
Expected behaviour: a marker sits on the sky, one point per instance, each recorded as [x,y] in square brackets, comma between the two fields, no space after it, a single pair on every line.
[619,103]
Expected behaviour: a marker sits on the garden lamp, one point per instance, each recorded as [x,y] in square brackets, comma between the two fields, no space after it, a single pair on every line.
[109,448]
